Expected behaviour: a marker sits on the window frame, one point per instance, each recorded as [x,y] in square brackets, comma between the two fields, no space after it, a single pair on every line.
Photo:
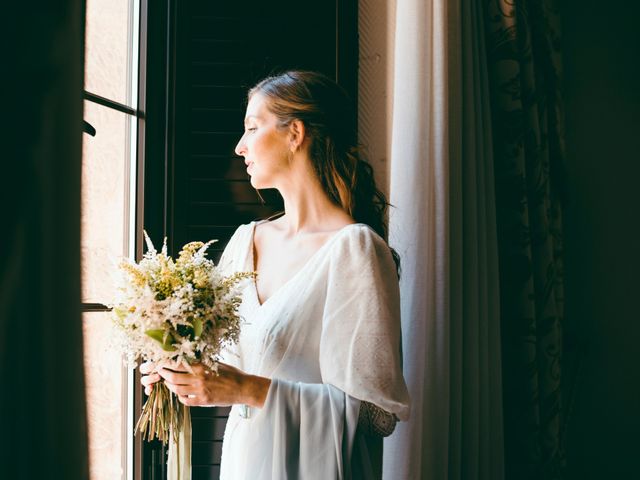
[153,193]
[139,25]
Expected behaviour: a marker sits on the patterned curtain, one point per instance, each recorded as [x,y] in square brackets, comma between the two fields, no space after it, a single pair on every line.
[523,52]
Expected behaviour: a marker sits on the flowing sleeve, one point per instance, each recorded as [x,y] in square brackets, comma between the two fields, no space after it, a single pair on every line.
[304,431]
[360,341]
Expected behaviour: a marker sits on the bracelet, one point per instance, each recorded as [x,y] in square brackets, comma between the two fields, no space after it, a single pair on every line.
[245,411]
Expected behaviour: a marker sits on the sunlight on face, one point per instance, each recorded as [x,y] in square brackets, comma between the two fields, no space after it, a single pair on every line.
[264,146]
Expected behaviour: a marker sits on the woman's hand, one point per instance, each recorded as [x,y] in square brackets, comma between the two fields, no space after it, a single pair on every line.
[149,376]
[203,387]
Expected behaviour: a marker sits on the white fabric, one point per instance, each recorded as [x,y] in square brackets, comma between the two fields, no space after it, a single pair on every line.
[329,338]
[179,454]
[443,227]
[419,231]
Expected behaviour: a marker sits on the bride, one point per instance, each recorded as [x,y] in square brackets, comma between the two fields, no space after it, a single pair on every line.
[316,375]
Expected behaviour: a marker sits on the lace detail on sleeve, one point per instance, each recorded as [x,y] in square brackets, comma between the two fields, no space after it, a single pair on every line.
[373,420]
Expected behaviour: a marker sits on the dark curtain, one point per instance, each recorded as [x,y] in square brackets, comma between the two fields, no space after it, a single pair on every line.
[524,74]
[42,403]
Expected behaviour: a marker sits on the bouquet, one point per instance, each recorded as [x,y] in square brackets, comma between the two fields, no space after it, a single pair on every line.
[181,311]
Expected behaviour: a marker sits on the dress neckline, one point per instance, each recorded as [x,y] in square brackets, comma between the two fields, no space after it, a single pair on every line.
[290,280]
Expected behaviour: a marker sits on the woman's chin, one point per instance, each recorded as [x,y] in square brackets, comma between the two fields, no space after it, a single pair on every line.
[257,184]
[260,182]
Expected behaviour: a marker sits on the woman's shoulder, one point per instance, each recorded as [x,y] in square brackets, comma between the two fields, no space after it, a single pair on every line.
[361,235]
[242,231]
[235,250]
[359,242]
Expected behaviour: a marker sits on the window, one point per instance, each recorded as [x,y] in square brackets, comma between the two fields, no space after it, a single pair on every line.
[109,169]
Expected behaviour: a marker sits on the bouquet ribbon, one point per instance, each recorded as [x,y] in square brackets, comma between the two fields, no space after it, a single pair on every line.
[179,456]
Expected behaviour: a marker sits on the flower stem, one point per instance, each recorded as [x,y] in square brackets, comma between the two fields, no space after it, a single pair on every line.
[161,415]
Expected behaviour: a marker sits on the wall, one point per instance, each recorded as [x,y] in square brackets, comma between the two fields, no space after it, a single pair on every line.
[376,20]
[602,93]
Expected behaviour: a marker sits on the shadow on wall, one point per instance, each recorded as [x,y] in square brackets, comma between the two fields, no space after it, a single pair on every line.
[602,95]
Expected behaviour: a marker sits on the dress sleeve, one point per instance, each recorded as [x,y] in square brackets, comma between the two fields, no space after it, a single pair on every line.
[235,251]
[360,340]
[304,431]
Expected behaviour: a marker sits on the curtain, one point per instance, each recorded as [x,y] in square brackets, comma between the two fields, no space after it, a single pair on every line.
[443,225]
[42,410]
[524,66]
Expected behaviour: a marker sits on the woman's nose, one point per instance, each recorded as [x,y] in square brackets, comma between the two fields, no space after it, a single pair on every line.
[240,147]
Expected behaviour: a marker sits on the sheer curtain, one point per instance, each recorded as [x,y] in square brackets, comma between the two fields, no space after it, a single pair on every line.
[42,410]
[443,226]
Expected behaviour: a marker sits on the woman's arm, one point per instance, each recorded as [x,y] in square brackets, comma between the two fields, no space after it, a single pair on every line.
[203,387]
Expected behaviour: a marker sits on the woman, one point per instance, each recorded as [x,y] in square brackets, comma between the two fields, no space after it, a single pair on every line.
[316,374]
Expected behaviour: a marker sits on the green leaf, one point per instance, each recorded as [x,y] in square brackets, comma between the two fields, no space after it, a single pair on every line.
[159,336]
[197,327]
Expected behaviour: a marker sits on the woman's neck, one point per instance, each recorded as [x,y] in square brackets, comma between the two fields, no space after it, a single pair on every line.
[307,206]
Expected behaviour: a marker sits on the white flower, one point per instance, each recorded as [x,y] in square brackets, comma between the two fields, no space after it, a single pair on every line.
[165,312]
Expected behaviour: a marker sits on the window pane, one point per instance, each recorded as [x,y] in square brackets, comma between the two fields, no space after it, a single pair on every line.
[106,388]
[107,50]
[105,187]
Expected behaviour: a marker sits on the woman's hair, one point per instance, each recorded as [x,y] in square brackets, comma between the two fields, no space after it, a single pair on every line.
[328,115]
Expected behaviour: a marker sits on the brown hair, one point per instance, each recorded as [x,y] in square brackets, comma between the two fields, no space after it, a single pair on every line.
[329,119]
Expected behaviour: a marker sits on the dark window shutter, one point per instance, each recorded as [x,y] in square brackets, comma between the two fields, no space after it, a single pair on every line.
[223,48]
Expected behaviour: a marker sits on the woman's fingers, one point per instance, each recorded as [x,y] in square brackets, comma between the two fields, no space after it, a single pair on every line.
[199,385]
[189,401]
[195,384]
[199,369]
[149,376]
[191,388]
[149,380]
[175,367]
[147,367]
[183,390]
[177,378]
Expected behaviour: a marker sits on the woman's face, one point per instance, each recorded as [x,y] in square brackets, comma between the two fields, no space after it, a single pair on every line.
[265,148]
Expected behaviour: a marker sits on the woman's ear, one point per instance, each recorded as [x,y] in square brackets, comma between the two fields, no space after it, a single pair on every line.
[296,135]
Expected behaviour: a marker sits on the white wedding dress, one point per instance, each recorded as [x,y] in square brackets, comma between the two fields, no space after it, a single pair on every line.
[328,338]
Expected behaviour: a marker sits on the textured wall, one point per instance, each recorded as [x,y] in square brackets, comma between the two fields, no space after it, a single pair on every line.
[375,83]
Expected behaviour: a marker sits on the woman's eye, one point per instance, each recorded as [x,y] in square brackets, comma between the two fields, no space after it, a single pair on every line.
[252,129]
